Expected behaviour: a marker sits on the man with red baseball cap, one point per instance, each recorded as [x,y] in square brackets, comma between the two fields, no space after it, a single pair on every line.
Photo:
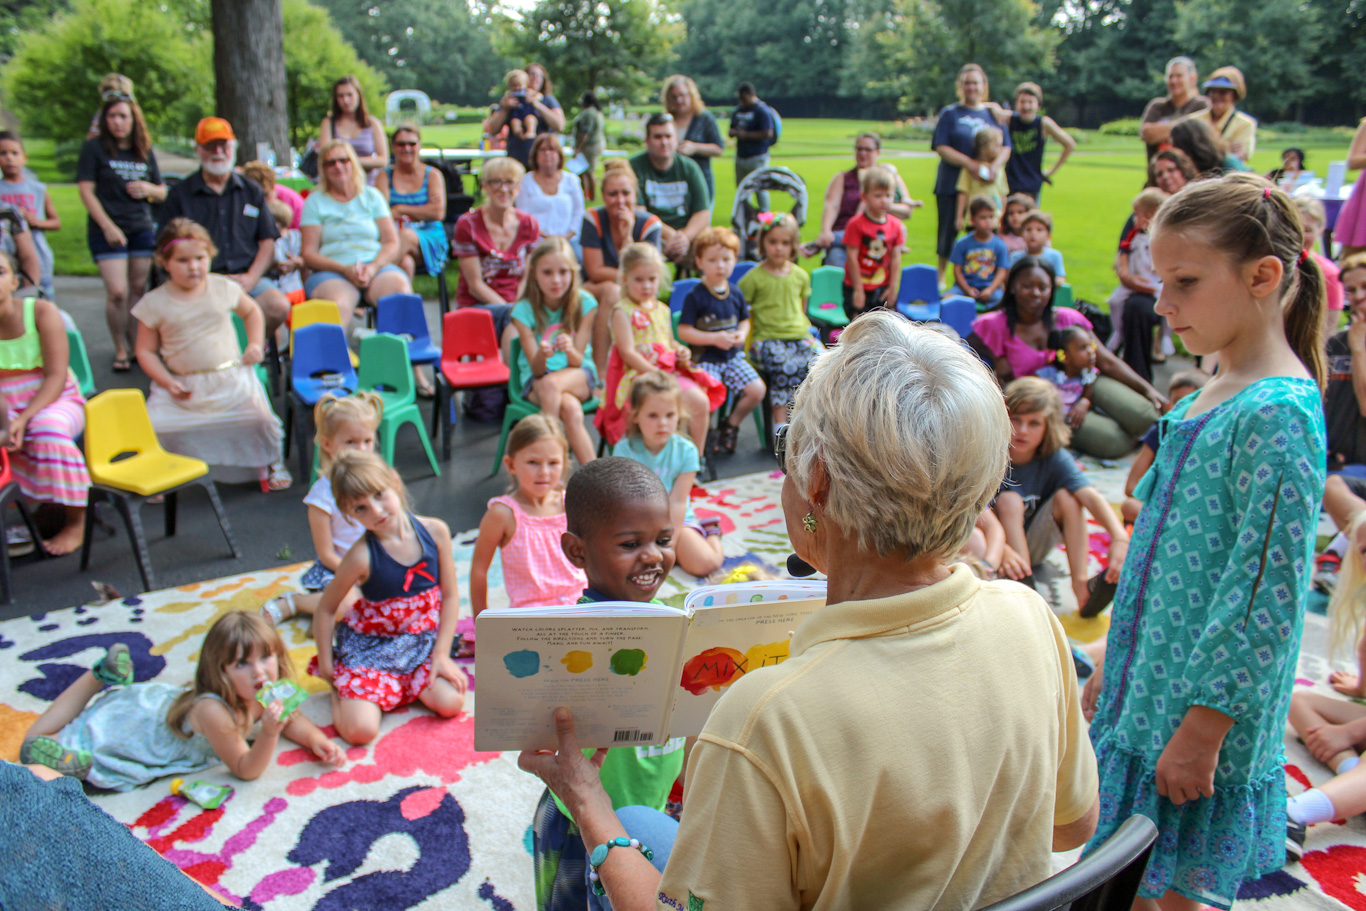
[232,208]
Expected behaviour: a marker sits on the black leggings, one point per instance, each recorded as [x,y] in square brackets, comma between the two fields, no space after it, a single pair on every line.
[1140,319]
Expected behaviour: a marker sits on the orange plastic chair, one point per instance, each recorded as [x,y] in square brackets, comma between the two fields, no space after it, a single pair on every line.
[128,466]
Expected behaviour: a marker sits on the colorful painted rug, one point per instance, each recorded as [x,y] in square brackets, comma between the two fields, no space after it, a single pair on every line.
[419,819]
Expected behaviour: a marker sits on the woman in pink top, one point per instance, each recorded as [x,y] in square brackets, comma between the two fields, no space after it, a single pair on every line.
[1016,340]
[528,523]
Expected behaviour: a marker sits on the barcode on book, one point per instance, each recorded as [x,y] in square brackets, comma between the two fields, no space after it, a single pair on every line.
[633,735]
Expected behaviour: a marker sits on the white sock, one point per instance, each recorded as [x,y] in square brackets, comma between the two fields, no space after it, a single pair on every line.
[1338,546]
[1347,764]
[1310,807]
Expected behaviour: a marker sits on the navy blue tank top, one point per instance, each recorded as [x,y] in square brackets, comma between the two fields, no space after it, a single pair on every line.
[391,579]
[1024,170]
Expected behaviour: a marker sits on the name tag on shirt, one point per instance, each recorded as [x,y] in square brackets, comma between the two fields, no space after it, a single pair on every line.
[250,211]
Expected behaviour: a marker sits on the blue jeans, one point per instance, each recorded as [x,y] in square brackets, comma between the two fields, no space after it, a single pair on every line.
[836,255]
[653,829]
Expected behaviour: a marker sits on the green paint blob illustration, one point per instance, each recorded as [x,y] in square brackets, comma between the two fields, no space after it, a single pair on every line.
[525,663]
[629,661]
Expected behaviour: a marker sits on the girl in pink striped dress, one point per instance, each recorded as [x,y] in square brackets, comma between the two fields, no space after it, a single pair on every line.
[527,523]
[44,405]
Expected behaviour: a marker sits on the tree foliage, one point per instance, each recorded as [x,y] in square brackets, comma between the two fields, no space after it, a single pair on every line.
[316,56]
[1268,36]
[620,46]
[51,80]
[411,41]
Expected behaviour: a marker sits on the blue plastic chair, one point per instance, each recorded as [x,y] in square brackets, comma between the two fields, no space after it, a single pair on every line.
[320,363]
[741,270]
[958,312]
[918,298]
[403,315]
[681,289]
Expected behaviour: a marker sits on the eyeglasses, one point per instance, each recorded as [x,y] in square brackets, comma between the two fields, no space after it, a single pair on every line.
[868,149]
[217,145]
[780,446]
[334,162]
[499,184]
[404,145]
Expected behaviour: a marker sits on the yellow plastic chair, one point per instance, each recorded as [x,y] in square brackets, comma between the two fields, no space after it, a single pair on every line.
[127,466]
[315,311]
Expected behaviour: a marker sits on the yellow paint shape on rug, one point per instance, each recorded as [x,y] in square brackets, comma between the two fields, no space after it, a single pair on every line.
[1084,630]
[243,599]
[13,724]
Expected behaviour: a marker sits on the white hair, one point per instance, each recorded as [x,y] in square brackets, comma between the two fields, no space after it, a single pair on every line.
[911,430]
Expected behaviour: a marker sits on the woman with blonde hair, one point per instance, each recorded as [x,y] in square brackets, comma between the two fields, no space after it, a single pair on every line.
[897,443]
[699,138]
[348,236]
[492,243]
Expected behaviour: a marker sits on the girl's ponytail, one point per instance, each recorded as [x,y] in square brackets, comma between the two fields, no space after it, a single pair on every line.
[1304,316]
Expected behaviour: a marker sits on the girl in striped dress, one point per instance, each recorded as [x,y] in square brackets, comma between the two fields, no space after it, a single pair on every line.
[44,405]
[527,523]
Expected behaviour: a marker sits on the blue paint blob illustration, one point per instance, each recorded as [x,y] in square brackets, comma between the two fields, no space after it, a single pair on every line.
[525,663]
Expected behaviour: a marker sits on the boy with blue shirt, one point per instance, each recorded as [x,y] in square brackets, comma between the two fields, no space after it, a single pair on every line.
[620,534]
[979,259]
[1037,232]
[715,318]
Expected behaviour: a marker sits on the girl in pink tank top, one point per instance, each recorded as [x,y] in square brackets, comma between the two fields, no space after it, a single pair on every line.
[528,522]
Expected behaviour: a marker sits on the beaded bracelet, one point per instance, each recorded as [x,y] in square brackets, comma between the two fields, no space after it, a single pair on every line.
[599,856]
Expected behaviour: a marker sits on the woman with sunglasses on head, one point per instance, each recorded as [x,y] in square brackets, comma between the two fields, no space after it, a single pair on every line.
[492,243]
[118,179]
[349,239]
[416,192]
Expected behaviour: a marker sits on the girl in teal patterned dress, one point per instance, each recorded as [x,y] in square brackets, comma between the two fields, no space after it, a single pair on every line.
[1205,633]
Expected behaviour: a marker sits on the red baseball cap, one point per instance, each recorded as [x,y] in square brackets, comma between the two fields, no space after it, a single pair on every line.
[212,129]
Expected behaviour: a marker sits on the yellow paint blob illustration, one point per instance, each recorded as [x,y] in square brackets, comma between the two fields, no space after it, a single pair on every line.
[766,655]
[577,662]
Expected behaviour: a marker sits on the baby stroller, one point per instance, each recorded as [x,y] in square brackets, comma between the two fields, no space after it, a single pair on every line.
[744,214]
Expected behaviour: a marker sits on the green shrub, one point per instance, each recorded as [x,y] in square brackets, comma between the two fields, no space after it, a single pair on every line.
[1128,126]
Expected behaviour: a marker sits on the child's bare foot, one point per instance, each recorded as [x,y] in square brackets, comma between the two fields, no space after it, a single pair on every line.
[66,541]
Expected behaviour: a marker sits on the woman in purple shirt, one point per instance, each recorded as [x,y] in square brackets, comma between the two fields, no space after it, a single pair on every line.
[1017,340]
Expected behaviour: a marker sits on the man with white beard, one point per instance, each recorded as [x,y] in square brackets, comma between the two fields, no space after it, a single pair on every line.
[232,208]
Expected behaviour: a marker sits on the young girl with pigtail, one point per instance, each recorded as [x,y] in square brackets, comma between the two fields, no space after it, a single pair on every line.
[344,422]
[1205,633]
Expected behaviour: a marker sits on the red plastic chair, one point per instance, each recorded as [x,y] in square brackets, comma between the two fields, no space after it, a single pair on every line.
[470,359]
[9,490]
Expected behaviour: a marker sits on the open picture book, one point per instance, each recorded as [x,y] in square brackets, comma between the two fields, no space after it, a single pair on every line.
[632,673]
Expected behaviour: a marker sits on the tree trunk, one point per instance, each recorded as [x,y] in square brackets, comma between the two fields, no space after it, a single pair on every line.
[249,74]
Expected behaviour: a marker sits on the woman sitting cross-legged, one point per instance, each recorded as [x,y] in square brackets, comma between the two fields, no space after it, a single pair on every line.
[898,441]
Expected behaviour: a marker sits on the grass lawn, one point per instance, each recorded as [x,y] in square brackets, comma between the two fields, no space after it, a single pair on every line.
[1089,201]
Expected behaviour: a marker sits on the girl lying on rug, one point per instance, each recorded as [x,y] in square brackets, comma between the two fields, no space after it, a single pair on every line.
[185,729]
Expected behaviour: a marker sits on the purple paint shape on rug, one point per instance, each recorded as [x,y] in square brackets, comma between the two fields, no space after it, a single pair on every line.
[57,677]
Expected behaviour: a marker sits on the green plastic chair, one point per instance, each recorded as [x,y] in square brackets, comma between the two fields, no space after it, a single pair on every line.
[261,373]
[826,306]
[519,407]
[385,369]
[80,362]
[1063,297]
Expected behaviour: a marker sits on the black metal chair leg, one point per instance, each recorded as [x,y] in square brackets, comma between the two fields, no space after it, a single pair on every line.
[89,536]
[222,517]
[170,499]
[132,519]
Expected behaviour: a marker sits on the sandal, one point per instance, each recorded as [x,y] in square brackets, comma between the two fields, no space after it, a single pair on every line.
[116,667]
[1102,593]
[278,610]
[122,365]
[277,478]
[426,392]
[726,437]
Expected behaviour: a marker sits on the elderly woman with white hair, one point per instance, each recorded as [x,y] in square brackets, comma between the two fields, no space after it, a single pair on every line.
[898,440]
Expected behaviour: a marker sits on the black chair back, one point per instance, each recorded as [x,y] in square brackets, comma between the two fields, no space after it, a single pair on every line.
[1105,880]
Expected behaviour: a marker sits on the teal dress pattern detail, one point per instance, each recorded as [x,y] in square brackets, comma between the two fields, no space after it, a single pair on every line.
[431,235]
[1209,612]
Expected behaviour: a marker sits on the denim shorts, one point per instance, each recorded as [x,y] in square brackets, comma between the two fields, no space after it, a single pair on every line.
[317,278]
[589,374]
[140,244]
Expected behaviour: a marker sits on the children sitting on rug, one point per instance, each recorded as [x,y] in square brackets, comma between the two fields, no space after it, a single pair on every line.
[1045,498]
[715,320]
[527,523]
[345,423]
[135,733]
[394,645]
[622,536]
